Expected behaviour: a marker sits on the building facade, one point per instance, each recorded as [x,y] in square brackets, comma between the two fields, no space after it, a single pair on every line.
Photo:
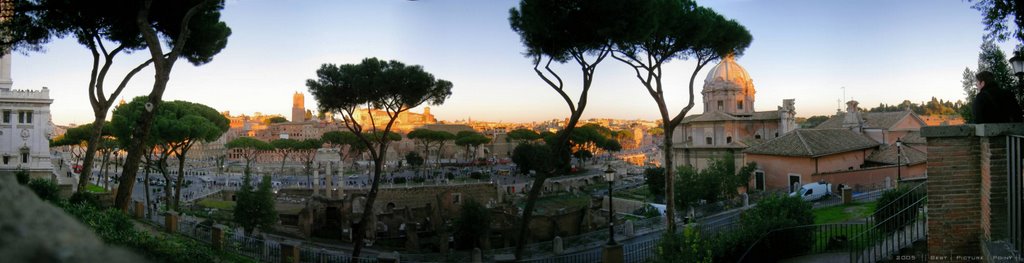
[729,123]
[25,128]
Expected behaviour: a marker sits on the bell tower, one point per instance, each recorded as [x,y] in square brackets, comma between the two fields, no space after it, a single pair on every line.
[298,107]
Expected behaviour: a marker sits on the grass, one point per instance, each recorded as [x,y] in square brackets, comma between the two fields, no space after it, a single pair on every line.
[567,201]
[641,193]
[843,213]
[95,188]
[222,205]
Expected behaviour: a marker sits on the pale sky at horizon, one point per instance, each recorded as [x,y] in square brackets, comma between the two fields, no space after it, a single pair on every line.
[881,51]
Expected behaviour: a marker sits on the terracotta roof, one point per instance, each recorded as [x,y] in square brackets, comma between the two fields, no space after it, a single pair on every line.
[722,116]
[814,143]
[913,137]
[887,155]
[881,120]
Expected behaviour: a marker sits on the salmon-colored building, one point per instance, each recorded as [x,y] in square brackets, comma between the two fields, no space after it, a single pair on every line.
[854,149]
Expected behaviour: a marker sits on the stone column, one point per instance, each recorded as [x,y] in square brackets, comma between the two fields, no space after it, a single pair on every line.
[477,255]
[171,222]
[847,195]
[316,180]
[217,236]
[289,252]
[341,180]
[612,254]
[557,245]
[330,178]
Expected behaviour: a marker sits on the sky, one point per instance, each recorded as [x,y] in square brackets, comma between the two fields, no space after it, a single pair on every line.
[809,50]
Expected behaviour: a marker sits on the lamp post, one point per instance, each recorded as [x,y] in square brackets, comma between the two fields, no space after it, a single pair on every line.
[1017,61]
[899,160]
[609,175]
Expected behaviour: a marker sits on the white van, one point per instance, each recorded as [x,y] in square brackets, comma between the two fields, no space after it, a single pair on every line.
[813,191]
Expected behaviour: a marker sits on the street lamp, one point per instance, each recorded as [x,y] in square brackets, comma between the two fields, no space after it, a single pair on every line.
[1017,61]
[899,155]
[609,175]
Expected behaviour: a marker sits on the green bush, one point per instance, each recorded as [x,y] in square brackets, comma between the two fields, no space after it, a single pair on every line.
[85,198]
[897,207]
[476,175]
[772,213]
[22,176]
[683,247]
[45,189]
[419,179]
[115,228]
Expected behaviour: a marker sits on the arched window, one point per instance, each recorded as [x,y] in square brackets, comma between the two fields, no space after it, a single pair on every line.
[728,139]
[758,136]
[709,140]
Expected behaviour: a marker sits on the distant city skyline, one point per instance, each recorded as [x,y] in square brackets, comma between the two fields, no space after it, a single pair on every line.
[880,51]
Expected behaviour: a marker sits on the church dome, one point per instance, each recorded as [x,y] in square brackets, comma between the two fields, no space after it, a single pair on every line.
[727,71]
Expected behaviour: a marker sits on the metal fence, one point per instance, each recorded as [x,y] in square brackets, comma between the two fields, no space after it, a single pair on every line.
[589,256]
[892,227]
[319,255]
[801,240]
[640,252]
[1015,191]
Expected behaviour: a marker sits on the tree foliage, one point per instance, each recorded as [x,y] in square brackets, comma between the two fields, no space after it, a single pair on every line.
[276,119]
[813,121]
[177,127]
[390,86]
[998,14]
[535,157]
[555,31]
[250,148]
[190,29]
[414,159]
[471,139]
[472,225]
[654,178]
[720,181]
[523,135]
[677,29]
[254,209]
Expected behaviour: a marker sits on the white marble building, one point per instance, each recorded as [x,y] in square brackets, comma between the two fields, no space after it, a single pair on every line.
[24,127]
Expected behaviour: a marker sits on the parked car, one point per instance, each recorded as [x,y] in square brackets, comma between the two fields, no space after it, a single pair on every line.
[814,191]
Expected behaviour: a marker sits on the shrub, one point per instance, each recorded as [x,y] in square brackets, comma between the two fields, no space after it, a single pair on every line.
[472,224]
[897,207]
[419,179]
[476,175]
[772,213]
[45,189]
[22,176]
[114,228]
[683,247]
[399,180]
[450,176]
[85,198]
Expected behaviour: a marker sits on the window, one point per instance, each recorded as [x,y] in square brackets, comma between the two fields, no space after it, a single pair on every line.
[28,117]
[21,117]
[456,198]
[7,116]
[728,139]
[709,140]
[24,158]
[809,192]
[739,104]
[6,159]
[776,135]
[758,136]
[721,105]
[759,180]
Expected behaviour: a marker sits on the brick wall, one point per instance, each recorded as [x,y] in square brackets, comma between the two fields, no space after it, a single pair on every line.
[953,190]
[967,170]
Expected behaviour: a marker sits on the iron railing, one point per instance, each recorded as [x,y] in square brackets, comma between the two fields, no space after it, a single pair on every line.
[1015,191]
[892,227]
[801,240]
